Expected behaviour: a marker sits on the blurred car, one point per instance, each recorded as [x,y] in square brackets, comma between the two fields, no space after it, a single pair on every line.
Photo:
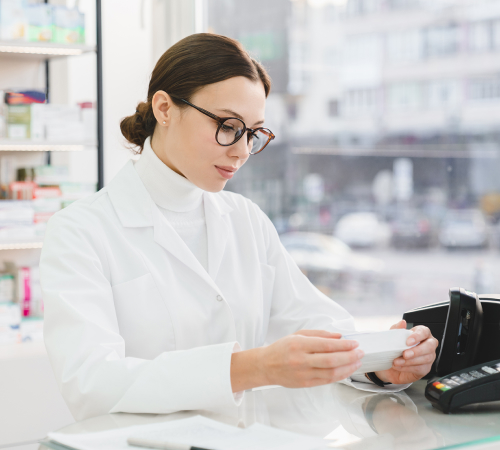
[464,228]
[327,260]
[412,228]
[362,229]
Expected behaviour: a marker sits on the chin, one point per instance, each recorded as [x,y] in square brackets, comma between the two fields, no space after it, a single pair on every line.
[215,187]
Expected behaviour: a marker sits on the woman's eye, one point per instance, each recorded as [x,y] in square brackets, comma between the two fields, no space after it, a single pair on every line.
[227,128]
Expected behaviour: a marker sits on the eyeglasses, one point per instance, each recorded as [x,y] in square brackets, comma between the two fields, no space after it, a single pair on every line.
[231,130]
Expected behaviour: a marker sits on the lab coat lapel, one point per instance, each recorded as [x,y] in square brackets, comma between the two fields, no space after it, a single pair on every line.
[217,230]
[135,208]
[166,236]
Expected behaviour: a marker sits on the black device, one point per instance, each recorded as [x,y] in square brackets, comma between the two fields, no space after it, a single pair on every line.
[467,328]
[462,332]
[476,384]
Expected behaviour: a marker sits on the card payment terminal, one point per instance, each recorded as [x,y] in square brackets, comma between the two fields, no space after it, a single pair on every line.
[476,384]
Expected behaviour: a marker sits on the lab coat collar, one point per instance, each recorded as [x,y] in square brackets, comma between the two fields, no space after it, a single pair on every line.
[135,208]
[130,198]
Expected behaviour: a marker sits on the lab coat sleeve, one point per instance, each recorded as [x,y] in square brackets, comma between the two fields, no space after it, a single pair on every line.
[297,304]
[85,347]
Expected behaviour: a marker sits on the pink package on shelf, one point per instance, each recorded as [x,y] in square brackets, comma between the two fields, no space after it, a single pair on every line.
[25,280]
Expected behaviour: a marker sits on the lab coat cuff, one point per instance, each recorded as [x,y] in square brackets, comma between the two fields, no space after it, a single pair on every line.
[369,386]
[198,378]
[238,396]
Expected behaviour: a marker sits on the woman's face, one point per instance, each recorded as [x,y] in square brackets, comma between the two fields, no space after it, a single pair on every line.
[186,142]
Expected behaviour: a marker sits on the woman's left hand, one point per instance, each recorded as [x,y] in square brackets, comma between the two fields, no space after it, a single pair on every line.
[416,362]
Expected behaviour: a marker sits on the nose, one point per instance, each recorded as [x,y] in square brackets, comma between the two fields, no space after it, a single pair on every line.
[240,149]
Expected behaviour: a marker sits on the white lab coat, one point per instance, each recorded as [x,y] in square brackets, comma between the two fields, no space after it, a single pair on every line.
[134,323]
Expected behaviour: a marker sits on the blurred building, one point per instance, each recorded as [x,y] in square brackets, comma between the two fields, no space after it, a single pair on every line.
[370,82]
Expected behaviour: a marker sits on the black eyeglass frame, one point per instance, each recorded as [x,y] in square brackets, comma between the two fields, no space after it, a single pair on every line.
[221,121]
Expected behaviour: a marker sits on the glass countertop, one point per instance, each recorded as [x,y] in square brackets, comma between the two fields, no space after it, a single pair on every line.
[346,417]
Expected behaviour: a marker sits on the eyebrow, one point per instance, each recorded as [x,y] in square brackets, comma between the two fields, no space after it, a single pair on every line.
[235,114]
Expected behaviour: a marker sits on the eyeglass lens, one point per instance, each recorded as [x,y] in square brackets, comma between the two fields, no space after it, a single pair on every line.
[231,130]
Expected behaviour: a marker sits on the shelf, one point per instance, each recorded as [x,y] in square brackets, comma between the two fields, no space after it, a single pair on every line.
[42,50]
[21,245]
[9,145]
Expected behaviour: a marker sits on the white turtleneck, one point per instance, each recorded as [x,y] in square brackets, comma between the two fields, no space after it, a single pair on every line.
[179,200]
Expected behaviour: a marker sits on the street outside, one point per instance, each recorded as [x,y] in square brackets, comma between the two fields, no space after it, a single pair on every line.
[418,277]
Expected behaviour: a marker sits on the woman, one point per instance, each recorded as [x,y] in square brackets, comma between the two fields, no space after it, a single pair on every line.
[162,291]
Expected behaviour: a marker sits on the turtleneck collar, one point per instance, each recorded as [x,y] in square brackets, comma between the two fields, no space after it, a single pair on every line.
[167,188]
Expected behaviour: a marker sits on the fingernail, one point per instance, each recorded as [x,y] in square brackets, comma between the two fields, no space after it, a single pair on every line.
[358,364]
[410,341]
[355,344]
[399,362]
[409,354]
[360,353]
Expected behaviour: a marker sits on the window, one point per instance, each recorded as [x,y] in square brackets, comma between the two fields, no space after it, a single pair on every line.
[360,101]
[479,38]
[404,46]
[442,41]
[484,88]
[333,108]
[443,93]
[496,35]
[405,96]
[397,131]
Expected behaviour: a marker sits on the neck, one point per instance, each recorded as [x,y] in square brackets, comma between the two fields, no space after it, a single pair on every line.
[168,188]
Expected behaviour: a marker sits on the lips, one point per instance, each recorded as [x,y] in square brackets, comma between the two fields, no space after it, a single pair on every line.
[226,171]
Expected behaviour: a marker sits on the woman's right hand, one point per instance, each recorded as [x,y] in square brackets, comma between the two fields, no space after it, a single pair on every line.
[309,358]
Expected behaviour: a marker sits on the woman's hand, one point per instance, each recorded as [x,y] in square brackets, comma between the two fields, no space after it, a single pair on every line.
[306,358]
[416,362]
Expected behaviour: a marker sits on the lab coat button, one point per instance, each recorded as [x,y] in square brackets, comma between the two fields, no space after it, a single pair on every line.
[219,298]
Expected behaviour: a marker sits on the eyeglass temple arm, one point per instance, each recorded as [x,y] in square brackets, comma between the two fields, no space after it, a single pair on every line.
[204,111]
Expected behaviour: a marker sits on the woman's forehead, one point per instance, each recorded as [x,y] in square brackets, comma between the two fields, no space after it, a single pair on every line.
[238,94]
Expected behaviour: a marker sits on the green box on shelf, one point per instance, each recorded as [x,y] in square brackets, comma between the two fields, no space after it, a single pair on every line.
[25,121]
[68,26]
[40,20]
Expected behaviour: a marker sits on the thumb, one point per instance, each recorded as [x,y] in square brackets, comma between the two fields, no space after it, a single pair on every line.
[399,325]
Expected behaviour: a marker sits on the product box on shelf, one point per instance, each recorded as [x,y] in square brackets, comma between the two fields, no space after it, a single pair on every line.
[13,20]
[23,96]
[32,329]
[73,191]
[69,26]
[17,222]
[3,115]
[28,290]
[25,121]
[10,323]
[40,22]
[7,291]
[51,175]
[14,212]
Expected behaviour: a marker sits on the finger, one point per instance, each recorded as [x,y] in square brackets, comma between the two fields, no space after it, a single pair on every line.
[400,324]
[322,345]
[425,359]
[420,333]
[426,347]
[319,333]
[337,373]
[336,359]
[420,371]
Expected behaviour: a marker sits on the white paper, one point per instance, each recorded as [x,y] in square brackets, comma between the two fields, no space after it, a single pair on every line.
[381,348]
[195,431]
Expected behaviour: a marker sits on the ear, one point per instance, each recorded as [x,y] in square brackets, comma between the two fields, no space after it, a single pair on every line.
[162,107]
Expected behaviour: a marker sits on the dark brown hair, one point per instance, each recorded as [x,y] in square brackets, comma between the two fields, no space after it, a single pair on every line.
[186,67]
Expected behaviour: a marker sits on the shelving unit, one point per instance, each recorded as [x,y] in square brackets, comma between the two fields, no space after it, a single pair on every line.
[27,385]
[9,145]
[42,50]
[20,54]
[46,51]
